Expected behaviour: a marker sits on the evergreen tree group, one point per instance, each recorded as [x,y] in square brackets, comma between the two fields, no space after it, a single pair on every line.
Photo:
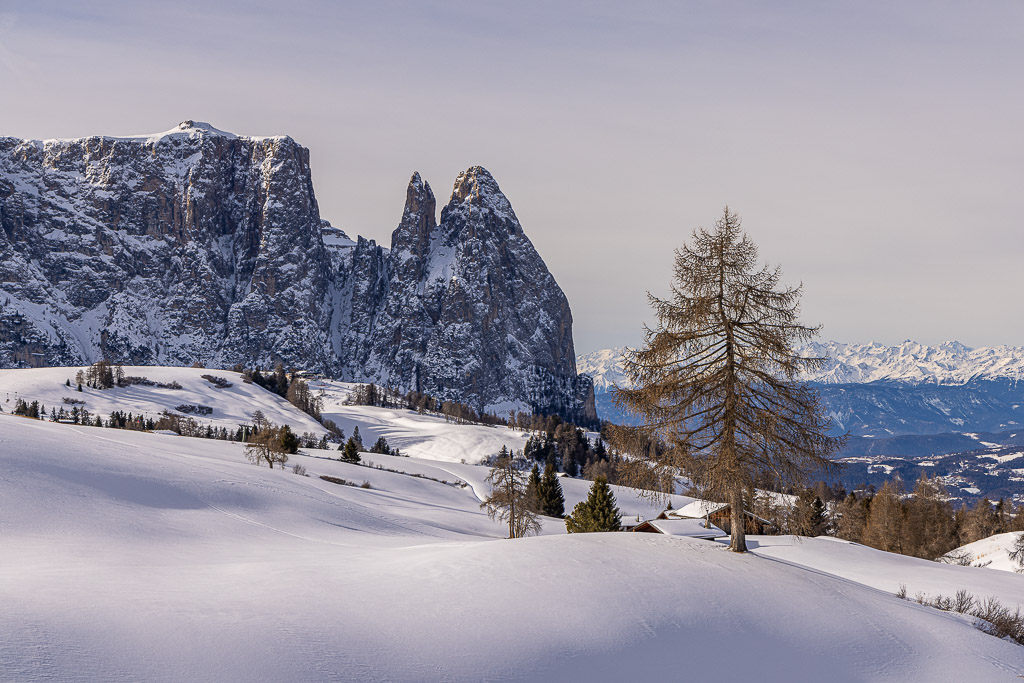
[597,513]
[550,499]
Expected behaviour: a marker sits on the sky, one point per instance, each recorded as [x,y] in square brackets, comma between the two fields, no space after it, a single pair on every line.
[875,150]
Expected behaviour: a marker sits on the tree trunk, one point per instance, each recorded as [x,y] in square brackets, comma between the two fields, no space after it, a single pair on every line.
[737,536]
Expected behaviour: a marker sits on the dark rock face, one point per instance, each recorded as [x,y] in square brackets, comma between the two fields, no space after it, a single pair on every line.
[198,245]
[470,308]
[190,246]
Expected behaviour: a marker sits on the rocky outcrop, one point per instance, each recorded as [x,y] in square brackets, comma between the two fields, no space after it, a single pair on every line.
[193,245]
[199,245]
[469,305]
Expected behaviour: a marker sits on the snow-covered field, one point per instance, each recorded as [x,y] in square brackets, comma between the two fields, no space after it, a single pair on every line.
[231,406]
[131,556]
[426,436]
[423,436]
[128,556]
[888,571]
[993,552]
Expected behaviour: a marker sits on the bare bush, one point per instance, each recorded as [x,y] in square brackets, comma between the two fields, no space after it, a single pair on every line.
[194,409]
[129,380]
[218,382]
[992,616]
[957,557]
[997,620]
[963,602]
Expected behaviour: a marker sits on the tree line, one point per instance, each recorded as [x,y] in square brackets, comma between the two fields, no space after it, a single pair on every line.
[519,500]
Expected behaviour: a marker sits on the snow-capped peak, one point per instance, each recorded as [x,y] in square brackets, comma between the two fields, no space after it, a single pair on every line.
[947,363]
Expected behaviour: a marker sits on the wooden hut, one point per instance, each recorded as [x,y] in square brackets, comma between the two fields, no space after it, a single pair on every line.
[719,514]
[690,528]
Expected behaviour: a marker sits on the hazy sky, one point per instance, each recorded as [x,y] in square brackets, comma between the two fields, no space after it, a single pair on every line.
[875,150]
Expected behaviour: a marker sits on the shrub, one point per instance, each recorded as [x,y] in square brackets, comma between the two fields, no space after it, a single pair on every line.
[299,470]
[997,620]
[129,380]
[958,557]
[345,482]
[194,409]
[993,617]
[218,382]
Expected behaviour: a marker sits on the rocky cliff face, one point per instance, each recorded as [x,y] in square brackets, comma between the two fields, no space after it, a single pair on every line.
[466,302]
[198,245]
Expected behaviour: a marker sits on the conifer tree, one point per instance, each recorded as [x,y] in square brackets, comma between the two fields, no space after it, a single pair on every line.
[808,515]
[533,490]
[853,516]
[717,382]
[597,513]
[289,441]
[552,500]
[351,452]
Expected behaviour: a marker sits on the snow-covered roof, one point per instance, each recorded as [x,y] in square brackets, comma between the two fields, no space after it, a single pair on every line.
[691,528]
[697,509]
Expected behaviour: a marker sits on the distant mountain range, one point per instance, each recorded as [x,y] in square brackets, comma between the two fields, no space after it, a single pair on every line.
[901,404]
[949,363]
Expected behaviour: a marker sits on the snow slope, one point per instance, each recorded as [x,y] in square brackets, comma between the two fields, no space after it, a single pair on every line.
[231,407]
[993,552]
[632,505]
[131,556]
[888,571]
[424,436]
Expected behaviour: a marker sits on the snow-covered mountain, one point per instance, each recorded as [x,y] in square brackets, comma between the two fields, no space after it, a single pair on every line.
[947,363]
[877,391]
[604,367]
[200,245]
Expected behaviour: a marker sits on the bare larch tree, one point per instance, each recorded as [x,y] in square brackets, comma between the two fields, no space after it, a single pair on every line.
[717,383]
[511,500]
